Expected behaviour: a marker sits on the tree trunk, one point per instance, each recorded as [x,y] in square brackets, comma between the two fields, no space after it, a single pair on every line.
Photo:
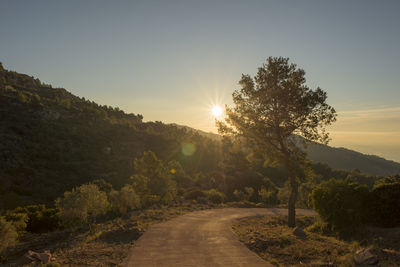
[292,198]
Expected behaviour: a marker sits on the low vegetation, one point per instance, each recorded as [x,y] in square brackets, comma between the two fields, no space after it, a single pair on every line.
[85,180]
[272,240]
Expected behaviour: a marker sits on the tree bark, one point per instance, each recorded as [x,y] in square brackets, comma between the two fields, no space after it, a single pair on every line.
[292,198]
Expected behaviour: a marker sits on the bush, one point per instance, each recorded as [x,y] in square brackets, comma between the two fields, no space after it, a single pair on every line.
[268,196]
[194,194]
[38,218]
[386,204]
[214,196]
[124,200]
[19,220]
[341,203]
[83,204]
[8,234]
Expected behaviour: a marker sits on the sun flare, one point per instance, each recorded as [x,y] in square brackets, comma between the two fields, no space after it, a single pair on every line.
[216,111]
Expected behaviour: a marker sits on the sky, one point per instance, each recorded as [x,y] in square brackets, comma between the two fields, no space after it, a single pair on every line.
[172,61]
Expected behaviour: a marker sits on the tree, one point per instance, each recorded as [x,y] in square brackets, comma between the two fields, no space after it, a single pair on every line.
[124,200]
[83,204]
[153,179]
[274,107]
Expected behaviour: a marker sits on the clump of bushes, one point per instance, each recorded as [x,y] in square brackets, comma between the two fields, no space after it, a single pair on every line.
[341,203]
[344,204]
[82,205]
[194,194]
[152,180]
[244,195]
[124,200]
[214,196]
[35,218]
[386,204]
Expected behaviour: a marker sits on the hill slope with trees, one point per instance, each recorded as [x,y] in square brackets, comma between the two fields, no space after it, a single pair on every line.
[53,141]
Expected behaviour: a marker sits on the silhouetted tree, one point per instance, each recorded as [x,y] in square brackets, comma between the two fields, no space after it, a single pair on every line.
[274,106]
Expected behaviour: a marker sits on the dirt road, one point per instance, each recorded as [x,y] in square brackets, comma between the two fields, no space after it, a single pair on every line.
[202,238]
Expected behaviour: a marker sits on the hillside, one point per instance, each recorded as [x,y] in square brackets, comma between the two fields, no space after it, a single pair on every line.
[339,158]
[52,141]
[346,159]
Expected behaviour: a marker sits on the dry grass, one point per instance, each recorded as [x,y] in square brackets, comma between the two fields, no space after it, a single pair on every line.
[271,239]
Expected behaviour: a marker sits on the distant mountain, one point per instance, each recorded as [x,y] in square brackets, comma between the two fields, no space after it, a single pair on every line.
[340,158]
[346,159]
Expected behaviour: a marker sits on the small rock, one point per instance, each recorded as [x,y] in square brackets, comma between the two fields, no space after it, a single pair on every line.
[45,257]
[33,256]
[365,257]
[298,232]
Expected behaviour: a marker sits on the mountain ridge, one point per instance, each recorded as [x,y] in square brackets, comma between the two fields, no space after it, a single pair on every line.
[369,164]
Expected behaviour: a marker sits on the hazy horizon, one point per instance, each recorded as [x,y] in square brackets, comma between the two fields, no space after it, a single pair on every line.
[173,61]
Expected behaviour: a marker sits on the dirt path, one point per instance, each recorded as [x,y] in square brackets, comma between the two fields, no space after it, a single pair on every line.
[202,238]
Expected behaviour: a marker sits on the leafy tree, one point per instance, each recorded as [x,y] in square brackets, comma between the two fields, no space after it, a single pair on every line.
[153,178]
[271,108]
[83,204]
[124,200]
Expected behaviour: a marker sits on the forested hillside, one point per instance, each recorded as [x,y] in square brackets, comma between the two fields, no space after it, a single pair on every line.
[53,141]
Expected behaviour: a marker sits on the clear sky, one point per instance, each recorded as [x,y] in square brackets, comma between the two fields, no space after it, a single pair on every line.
[173,60]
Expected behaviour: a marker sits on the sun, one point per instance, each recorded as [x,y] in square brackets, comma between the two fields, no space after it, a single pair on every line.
[216,111]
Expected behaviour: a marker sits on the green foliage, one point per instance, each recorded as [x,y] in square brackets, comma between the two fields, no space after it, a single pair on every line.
[38,218]
[244,195]
[268,193]
[386,204]
[194,194]
[83,204]
[179,175]
[19,220]
[341,203]
[8,234]
[124,200]
[268,196]
[304,198]
[271,108]
[153,178]
[103,185]
[214,196]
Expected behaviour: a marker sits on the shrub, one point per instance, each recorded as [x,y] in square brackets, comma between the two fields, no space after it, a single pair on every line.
[194,194]
[124,200]
[8,234]
[239,195]
[153,178]
[214,196]
[39,218]
[83,204]
[19,220]
[386,204]
[268,196]
[341,203]
[304,195]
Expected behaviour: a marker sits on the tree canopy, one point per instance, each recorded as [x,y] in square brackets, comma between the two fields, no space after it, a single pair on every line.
[273,107]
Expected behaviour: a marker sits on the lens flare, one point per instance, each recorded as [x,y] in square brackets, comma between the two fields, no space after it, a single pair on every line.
[188,149]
